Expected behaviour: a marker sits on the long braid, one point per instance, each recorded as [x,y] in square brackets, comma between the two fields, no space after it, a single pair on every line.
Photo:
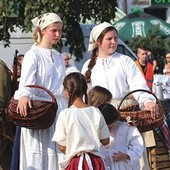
[95,54]
[91,65]
[71,99]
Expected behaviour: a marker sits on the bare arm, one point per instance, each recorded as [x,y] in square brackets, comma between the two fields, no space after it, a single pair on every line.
[154,65]
[62,148]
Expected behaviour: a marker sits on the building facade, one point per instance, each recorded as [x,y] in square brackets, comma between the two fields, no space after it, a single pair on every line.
[157,8]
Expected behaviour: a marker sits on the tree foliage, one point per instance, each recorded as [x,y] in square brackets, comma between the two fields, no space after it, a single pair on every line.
[156,43]
[20,12]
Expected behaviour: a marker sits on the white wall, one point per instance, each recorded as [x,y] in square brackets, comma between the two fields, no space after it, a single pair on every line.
[19,41]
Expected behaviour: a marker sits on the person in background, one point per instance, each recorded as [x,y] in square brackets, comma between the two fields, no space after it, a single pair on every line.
[145,66]
[126,144]
[44,66]
[20,58]
[7,130]
[152,59]
[167,65]
[16,72]
[69,68]
[81,129]
[16,147]
[98,95]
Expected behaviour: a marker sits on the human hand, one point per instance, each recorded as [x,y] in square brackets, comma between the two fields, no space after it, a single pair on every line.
[130,122]
[23,103]
[153,108]
[119,156]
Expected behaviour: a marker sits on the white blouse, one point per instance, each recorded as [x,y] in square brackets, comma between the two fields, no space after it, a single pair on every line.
[119,74]
[44,67]
[80,130]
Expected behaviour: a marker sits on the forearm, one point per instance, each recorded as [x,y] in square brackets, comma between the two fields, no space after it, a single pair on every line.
[62,148]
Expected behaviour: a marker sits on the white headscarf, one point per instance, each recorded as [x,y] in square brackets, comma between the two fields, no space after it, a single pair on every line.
[95,33]
[45,20]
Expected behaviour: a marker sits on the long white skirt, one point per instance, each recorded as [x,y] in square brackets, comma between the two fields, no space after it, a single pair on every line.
[37,151]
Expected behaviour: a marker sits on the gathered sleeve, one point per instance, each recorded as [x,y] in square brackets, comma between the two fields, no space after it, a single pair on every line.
[104,131]
[60,134]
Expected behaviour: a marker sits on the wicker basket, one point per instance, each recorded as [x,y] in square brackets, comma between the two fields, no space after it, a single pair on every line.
[142,118]
[41,116]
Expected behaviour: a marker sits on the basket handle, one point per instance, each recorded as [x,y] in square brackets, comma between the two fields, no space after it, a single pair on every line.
[134,92]
[45,89]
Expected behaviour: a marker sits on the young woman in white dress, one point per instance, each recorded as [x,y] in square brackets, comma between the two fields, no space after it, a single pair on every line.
[44,66]
[116,72]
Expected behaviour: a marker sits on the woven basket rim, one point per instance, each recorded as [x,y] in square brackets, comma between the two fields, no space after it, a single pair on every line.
[142,115]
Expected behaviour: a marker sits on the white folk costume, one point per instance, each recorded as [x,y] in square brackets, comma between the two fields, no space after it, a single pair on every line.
[126,139]
[119,74]
[80,130]
[44,67]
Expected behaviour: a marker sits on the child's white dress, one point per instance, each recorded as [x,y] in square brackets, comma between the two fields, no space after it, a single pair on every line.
[126,139]
[80,130]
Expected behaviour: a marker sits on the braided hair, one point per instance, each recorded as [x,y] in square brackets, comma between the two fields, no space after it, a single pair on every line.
[95,53]
[35,35]
[76,86]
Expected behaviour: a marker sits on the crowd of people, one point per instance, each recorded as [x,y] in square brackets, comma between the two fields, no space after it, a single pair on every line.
[87,132]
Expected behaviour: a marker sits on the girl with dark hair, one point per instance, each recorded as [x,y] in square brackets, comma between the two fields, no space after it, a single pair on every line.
[126,144]
[81,129]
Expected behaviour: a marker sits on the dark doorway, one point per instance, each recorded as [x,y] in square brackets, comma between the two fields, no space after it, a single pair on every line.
[157,12]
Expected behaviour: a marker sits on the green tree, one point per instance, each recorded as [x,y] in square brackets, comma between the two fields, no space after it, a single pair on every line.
[20,12]
[157,44]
